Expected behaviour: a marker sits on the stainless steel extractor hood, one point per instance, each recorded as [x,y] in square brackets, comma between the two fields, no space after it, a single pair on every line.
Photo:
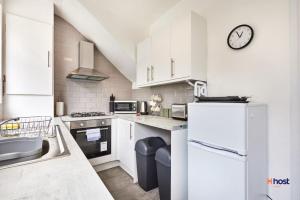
[86,70]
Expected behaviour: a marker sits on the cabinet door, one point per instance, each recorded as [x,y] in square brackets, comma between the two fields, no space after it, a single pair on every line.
[28,56]
[131,152]
[209,170]
[180,47]
[40,10]
[160,55]
[1,69]
[126,145]
[143,62]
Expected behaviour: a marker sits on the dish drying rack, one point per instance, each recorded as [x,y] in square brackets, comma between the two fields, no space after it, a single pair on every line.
[37,126]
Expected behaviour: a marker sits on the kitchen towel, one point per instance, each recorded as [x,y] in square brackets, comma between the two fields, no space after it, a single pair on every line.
[93,134]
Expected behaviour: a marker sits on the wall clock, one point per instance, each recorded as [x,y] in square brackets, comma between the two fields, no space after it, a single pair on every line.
[240,37]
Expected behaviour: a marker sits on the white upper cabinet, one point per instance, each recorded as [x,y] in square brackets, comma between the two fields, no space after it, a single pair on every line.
[39,10]
[1,49]
[160,55]
[29,56]
[180,48]
[178,52]
[143,62]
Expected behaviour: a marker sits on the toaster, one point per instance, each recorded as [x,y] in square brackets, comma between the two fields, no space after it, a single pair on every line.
[179,111]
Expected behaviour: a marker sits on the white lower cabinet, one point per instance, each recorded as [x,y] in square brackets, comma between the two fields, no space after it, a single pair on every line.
[126,152]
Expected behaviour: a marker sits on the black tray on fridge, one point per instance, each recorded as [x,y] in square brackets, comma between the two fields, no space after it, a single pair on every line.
[226,99]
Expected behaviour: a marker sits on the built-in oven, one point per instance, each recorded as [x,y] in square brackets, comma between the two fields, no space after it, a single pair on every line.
[125,107]
[92,136]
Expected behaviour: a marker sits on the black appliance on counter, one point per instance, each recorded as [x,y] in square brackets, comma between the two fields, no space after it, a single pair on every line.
[125,107]
[95,148]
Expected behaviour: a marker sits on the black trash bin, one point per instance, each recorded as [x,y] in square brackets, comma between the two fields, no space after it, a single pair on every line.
[163,164]
[145,160]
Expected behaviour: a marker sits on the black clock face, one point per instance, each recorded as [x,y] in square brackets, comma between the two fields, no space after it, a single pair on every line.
[240,37]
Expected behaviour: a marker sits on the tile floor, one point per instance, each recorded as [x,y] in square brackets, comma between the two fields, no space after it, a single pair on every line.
[120,185]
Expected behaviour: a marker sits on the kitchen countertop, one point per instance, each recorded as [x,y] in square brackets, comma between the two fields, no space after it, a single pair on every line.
[70,177]
[155,121]
[150,120]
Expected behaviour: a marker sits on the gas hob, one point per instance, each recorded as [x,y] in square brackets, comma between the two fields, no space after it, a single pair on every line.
[87,114]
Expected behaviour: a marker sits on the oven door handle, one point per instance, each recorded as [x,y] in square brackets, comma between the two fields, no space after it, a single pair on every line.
[84,131]
[81,131]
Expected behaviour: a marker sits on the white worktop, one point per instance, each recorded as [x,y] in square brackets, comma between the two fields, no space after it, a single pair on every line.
[155,121]
[150,120]
[70,177]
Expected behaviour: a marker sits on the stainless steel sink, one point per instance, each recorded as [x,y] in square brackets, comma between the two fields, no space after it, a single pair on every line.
[25,150]
[15,150]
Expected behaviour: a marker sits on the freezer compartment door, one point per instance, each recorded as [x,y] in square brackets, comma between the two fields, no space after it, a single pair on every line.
[215,174]
[220,124]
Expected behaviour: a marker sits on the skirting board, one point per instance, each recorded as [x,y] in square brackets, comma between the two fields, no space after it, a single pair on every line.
[105,166]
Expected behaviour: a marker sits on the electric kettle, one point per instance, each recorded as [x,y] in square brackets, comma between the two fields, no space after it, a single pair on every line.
[143,108]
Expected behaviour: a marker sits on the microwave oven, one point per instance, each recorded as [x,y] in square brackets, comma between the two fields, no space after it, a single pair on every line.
[125,107]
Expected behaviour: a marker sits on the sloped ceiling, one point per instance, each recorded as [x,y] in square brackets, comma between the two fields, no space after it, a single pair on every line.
[128,20]
[115,26]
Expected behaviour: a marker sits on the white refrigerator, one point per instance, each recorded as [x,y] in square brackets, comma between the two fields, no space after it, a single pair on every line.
[227,151]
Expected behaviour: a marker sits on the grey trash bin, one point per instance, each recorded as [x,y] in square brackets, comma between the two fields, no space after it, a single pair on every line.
[163,164]
[145,160]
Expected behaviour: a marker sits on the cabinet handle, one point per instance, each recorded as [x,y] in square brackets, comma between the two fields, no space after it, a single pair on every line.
[130,135]
[172,67]
[3,84]
[48,59]
[147,74]
[152,69]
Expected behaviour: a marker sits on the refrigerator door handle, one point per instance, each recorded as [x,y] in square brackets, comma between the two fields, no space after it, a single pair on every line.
[216,147]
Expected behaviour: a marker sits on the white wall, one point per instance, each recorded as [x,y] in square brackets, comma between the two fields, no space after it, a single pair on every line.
[128,21]
[295,98]
[261,71]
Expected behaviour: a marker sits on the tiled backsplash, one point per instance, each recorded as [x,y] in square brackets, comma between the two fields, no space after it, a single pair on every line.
[82,96]
[173,93]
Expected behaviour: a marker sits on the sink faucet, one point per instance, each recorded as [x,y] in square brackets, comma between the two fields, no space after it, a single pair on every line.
[52,132]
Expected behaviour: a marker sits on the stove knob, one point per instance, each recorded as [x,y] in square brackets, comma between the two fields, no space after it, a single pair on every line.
[102,123]
[81,125]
